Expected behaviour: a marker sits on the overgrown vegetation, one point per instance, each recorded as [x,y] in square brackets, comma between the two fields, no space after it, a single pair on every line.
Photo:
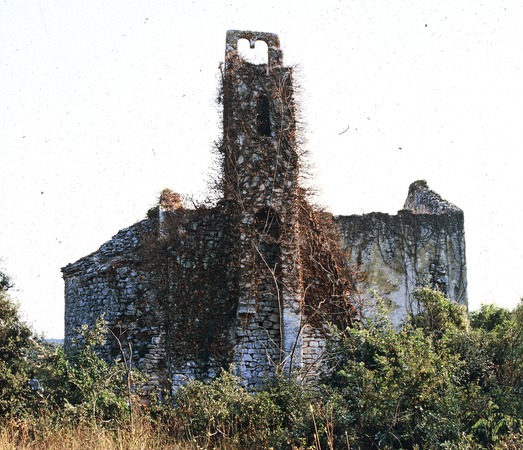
[441,381]
[329,282]
[16,344]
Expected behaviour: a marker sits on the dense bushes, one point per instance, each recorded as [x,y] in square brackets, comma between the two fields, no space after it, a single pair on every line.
[396,389]
[16,343]
[81,387]
[438,382]
[223,413]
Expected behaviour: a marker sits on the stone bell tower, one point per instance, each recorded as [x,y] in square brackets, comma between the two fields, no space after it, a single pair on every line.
[260,168]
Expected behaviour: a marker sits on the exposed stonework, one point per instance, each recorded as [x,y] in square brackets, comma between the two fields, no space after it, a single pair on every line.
[254,280]
[421,200]
[109,282]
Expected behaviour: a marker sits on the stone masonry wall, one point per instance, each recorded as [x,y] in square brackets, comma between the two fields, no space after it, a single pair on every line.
[424,244]
[111,283]
[170,288]
[166,289]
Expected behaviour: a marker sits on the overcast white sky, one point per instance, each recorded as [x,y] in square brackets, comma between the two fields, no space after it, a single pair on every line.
[104,103]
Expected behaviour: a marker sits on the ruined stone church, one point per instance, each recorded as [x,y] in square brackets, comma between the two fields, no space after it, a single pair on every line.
[255,281]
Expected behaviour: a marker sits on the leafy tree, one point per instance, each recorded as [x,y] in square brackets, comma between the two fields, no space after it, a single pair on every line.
[438,314]
[16,342]
[490,318]
[489,364]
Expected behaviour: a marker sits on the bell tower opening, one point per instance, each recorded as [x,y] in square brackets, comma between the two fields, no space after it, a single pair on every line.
[256,52]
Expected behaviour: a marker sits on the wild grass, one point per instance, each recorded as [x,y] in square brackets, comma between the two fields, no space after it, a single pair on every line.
[41,435]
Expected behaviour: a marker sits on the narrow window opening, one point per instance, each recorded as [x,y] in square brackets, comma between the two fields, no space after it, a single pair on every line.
[264,116]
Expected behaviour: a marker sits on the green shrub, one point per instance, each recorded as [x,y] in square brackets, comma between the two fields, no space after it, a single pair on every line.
[16,343]
[80,386]
[437,314]
[395,389]
[224,414]
[490,318]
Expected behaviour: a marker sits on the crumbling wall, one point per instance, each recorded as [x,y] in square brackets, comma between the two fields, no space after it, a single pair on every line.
[423,245]
[111,283]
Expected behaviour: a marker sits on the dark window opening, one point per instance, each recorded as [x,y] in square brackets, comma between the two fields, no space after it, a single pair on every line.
[264,116]
[268,223]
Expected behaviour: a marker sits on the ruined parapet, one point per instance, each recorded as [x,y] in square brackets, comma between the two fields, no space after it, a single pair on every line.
[423,245]
[422,200]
